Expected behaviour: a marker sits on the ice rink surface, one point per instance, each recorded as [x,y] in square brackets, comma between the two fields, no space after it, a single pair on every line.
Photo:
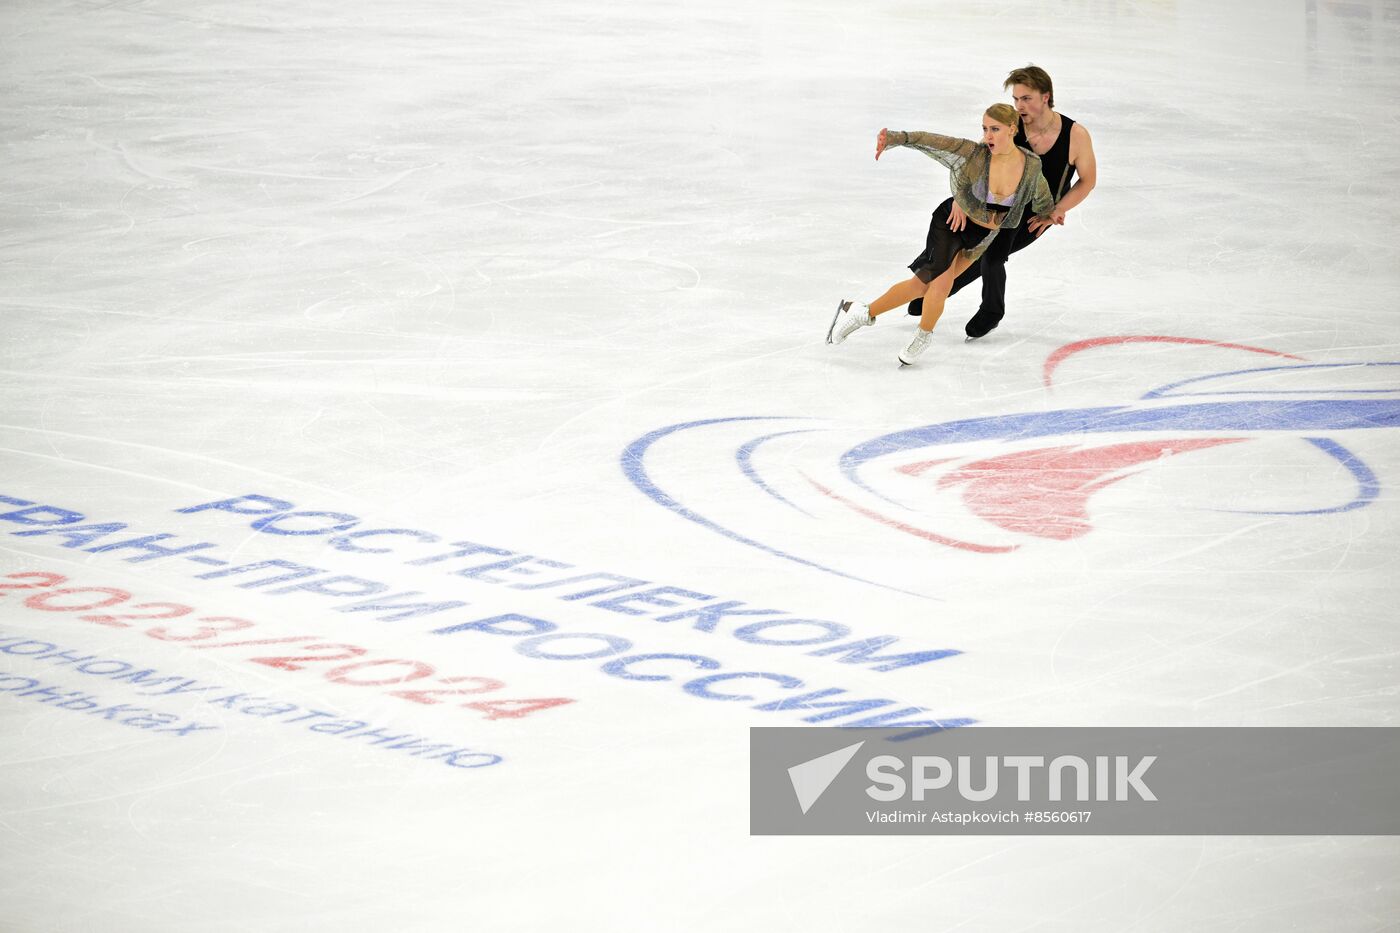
[537,294]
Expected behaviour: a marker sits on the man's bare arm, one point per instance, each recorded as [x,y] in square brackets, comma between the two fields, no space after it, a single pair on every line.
[1081,156]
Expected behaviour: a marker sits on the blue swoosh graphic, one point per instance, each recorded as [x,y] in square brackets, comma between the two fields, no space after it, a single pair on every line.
[1370,485]
[1166,390]
[744,457]
[1270,415]
[634,466]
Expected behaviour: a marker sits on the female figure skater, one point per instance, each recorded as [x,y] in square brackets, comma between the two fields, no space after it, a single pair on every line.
[993,181]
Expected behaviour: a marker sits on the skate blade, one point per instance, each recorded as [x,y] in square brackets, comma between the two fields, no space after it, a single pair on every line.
[840,306]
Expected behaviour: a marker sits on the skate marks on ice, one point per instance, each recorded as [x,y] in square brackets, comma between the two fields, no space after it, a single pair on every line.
[801,490]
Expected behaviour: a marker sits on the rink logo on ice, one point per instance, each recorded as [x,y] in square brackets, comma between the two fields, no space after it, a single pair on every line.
[994,485]
[1104,781]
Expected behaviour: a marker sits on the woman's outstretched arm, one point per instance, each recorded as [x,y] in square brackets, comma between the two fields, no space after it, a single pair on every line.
[945,149]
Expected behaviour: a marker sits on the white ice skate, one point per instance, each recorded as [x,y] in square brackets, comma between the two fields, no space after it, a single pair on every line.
[922,338]
[856,317]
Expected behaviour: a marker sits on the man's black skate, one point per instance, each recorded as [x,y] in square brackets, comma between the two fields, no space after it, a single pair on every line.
[981,324]
[916,308]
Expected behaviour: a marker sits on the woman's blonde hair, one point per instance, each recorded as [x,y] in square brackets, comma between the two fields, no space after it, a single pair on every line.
[1004,114]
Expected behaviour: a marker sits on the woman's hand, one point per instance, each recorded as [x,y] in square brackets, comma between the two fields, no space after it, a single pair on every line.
[880,142]
[957,217]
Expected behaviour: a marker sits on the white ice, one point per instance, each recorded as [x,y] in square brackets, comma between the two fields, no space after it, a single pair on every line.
[437,265]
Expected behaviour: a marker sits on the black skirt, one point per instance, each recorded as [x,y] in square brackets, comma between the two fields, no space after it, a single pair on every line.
[943,245]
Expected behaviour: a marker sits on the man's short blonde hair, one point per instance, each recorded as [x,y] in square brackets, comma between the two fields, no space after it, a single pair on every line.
[1032,76]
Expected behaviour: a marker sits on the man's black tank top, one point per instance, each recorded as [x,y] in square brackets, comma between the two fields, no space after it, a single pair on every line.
[1054,165]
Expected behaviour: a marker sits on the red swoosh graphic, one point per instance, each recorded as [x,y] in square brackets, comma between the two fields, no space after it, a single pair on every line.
[1070,349]
[1045,493]
[910,529]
